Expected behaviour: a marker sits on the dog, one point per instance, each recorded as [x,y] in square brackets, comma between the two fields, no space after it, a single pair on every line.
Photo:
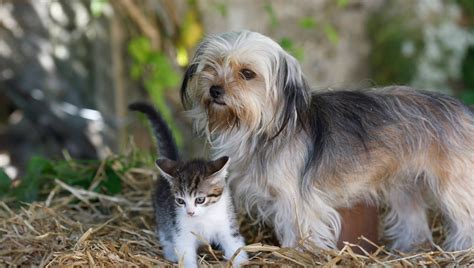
[300,155]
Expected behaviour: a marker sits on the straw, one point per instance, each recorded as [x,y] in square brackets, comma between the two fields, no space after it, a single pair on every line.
[79,227]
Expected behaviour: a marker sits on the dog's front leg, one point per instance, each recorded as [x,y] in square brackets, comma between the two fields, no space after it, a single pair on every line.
[301,223]
[285,229]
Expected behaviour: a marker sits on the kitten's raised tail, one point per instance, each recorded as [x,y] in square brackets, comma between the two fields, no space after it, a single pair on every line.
[166,144]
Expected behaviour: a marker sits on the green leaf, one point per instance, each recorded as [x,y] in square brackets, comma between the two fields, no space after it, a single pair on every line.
[140,49]
[271,13]
[136,71]
[288,45]
[342,3]
[75,173]
[467,68]
[388,32]
[221,8]
[5,183]
[331,34]
[468,97]
[36,170]
[162,71]
[298,53]
[467,7]
[113,183]
[307,23]
[157,73]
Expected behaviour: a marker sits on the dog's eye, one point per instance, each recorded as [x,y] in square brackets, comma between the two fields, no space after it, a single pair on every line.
[247,74]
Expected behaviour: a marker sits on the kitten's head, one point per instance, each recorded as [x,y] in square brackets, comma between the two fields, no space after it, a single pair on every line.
[196,184]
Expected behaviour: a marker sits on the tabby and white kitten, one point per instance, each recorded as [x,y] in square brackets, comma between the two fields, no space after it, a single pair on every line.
[192,200]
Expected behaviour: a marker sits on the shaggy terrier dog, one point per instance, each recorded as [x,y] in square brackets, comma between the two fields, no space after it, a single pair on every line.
[298,156]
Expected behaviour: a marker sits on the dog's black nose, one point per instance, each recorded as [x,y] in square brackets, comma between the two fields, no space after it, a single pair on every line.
[216,91]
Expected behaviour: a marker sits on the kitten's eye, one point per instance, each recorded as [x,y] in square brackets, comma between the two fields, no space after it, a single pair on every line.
[180,201]
[200,200]
[247,74]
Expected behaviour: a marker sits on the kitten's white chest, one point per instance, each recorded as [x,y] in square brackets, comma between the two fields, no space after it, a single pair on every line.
[212,222]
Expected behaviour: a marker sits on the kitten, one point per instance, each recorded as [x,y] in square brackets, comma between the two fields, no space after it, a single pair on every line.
[192,200]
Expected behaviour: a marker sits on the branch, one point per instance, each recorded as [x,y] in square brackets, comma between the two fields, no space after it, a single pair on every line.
[139,18]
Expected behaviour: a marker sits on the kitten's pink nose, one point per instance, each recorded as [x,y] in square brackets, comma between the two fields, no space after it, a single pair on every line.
[190,213]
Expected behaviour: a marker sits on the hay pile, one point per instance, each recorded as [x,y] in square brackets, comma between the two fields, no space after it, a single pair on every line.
[76,227]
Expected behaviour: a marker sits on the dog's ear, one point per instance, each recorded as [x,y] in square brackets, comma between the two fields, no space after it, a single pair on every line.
[188,74]
[294,88]
[191,70]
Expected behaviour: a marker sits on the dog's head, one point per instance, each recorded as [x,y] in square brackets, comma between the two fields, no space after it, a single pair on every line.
[245,80]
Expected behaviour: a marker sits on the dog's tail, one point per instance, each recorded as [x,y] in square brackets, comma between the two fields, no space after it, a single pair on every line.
[166,144]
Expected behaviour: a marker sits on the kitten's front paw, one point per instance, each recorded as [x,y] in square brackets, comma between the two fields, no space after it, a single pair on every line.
[170,254]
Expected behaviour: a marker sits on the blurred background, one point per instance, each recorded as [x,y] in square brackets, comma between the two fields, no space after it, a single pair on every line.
[69,68]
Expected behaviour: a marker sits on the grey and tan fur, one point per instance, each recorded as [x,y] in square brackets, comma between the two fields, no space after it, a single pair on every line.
[298,156]
[191,201]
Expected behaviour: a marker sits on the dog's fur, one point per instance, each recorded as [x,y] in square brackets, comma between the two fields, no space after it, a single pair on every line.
[297,156]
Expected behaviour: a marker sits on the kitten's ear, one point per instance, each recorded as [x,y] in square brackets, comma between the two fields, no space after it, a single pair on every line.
[218,169]
[167,168]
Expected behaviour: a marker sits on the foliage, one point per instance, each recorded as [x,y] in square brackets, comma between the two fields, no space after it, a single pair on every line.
[426,45]
[151,64]
[97,7]
[390,36]
[288,45]
[191,32]
[331,34]
[342,3]
[467,69]
[467,7]
[221,8]
[271,14]
[156,71]
[191,29]
[5,182]
[307,23]
[468,76]
[103,176]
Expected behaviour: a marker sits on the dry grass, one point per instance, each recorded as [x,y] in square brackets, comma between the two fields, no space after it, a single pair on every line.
[77,227]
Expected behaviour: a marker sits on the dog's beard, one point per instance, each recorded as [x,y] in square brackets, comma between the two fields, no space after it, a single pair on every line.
[245,116]
[221,117]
